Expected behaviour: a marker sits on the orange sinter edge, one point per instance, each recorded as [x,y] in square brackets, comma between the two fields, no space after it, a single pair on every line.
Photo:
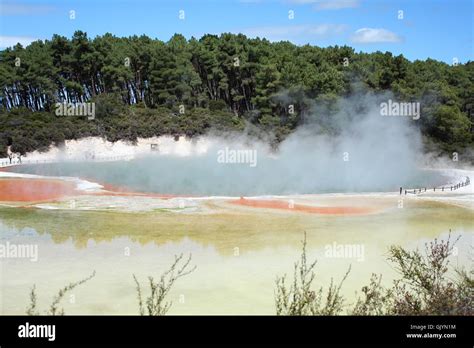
[33,190]
[284,205]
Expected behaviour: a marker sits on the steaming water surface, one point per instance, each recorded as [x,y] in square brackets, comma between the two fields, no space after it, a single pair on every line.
[364,152]
[204,176]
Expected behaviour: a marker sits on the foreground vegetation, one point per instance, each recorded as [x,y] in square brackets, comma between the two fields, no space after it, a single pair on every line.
[54,308]
[424,287]
[145,87]
[156,302]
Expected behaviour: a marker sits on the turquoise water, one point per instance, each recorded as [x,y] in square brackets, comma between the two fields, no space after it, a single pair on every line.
[202,175]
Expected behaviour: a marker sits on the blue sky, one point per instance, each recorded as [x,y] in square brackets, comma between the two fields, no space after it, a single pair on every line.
[438,29]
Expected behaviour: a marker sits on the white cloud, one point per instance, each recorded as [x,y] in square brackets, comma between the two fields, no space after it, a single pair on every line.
[373,35]
[277,33]
[9,41]
[14,9]
[328,4]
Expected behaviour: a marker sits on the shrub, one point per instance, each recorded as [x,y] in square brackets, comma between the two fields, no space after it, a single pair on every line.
[299,298]
[425,287]
[156,303]
[54,307]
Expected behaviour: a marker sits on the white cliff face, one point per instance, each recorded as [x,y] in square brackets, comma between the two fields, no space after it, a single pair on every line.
[96,148]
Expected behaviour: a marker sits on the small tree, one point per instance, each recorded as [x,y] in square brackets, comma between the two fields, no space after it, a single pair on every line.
[424,288]
[300,299]
[376,299]
[54,307]
[156,303]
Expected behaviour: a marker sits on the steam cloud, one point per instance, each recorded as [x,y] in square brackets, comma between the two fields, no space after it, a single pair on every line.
[363,152]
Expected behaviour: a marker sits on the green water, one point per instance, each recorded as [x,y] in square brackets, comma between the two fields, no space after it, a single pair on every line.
[238,253]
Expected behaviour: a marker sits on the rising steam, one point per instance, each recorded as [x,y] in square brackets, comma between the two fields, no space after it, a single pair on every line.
[363,151]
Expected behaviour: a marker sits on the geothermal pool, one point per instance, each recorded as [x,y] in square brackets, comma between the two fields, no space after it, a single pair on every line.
[203,176]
